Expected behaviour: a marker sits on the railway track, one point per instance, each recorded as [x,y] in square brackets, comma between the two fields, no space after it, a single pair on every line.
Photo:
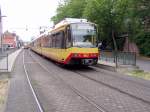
[97,69]
[77,92]
[112,87]
[82,95]
[31,87]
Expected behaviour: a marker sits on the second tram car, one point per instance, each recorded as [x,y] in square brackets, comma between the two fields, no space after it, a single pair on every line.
[72,41]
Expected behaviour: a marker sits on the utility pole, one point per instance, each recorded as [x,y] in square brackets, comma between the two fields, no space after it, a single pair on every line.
[1,30]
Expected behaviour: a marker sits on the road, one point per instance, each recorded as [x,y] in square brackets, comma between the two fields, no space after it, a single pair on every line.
[144,64]
[75,89]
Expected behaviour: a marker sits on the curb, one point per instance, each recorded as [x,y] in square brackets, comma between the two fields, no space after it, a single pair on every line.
[118,69]
[106,67]
[11,63]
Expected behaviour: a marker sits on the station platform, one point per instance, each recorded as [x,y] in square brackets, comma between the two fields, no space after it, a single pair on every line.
[6,63]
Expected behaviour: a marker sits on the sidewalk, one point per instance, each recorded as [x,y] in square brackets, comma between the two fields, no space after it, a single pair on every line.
[143,63]
[111,66]
[7,67]
[9,51]
[106,65]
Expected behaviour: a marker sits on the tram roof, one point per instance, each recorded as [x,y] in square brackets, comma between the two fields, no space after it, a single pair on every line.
[71,20]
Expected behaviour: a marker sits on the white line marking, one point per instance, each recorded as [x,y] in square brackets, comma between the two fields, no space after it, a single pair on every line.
[33,92]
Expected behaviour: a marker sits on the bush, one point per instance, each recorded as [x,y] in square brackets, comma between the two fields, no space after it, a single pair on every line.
[143,42]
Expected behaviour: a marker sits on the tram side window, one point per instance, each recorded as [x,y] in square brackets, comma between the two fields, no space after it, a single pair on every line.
[39,42]
[46,41]
[32,44]
[63,40]
[59,39]
[68,39]
[53,40]
[50,40]
[36,43]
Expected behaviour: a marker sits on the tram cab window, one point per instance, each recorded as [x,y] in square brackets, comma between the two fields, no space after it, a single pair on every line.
[83,35]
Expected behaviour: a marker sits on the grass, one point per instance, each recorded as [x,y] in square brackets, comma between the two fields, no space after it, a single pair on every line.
[3,92]
[140,74]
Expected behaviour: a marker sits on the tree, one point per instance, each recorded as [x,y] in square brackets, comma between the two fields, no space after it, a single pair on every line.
[113,18]
[69,8]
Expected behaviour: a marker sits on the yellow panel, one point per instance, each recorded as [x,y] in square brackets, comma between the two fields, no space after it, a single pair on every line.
[62,54]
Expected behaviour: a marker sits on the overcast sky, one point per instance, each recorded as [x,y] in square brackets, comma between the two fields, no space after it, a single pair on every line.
[30,14]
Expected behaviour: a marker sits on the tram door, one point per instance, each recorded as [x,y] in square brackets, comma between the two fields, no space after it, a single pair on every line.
[67,42]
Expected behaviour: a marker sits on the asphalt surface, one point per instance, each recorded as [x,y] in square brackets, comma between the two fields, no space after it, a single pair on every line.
[57,88]
[20,98]
[110,91]
[144,64]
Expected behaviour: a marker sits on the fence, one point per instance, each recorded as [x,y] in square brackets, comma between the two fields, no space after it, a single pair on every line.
[119,58]
[3,62]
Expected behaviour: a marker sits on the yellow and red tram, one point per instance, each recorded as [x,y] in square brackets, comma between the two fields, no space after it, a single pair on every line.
[72,41]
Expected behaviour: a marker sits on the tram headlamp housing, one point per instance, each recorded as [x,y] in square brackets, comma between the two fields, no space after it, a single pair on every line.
[75,55]
[85,55]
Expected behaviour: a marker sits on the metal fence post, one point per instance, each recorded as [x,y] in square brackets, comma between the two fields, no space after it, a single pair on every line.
[7,62]
[135,59]
[114,56]
[116,59]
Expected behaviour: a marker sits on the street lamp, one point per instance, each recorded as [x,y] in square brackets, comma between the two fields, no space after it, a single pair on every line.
[1,31]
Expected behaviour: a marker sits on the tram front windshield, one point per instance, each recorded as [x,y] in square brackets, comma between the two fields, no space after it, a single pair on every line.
[83,35]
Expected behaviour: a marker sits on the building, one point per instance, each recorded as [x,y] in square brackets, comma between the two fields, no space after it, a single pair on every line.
[10,40]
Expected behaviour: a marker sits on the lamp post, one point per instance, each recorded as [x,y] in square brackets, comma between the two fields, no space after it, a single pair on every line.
[1,31]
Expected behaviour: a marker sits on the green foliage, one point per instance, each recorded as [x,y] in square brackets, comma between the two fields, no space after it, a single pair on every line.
[139,74]
[99,12]
[69,8]
[130,17]
[143,41]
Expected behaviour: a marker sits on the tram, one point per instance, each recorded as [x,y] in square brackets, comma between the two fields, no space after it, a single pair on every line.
[71,41]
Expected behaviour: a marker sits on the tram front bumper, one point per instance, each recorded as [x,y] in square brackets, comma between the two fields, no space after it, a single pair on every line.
[89,61]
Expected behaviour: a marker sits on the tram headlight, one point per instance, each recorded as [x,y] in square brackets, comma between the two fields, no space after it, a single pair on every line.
[75,55]
[94,54]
